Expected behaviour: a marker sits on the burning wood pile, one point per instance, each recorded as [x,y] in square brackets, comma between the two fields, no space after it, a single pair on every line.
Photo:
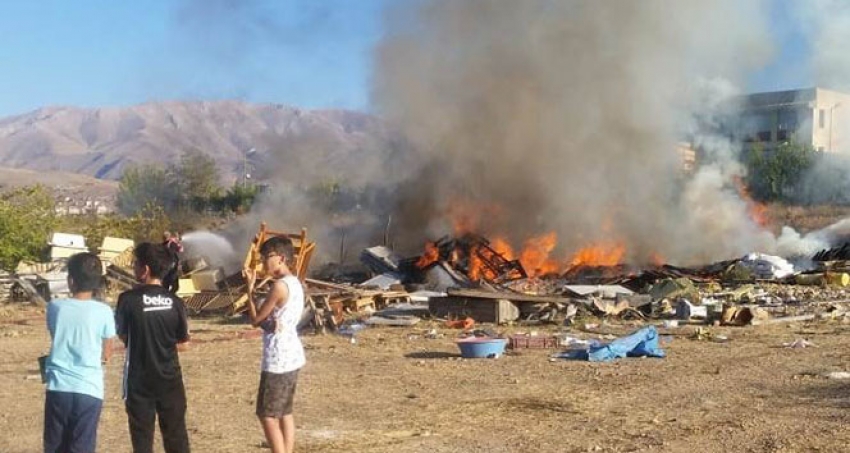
[473,257]
[479,278]
[469,276]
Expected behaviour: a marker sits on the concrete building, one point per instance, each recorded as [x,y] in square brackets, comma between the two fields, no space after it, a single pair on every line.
[814,116]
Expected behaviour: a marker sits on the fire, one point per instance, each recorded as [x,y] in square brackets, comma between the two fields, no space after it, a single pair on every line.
[498,259]
[476,266]
[502,247]
[757,212]
[466,216]
[430,256]
[656,260]
[535,255]
[599,254]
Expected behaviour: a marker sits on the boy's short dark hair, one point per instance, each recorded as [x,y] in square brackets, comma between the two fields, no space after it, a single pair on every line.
[155,256]
[85,271]
[280,245]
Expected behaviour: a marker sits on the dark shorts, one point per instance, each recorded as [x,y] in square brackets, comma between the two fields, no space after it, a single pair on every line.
[70,422]
[274,399]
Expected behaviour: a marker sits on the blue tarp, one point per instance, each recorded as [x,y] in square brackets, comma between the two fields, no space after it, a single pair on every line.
[642,343]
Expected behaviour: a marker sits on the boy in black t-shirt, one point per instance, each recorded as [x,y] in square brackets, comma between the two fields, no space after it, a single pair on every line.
[151,322]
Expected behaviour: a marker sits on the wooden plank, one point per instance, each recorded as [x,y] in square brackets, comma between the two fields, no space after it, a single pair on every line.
[513,297]
[781,320]
[329,285]
[32,293]
[496,311]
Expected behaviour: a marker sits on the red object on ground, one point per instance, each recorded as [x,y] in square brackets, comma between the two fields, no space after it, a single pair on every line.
[465,324]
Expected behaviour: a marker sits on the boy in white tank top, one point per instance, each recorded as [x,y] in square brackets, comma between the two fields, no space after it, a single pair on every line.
[283,354]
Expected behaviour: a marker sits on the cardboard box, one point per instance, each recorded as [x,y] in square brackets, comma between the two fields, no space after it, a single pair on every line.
[74,241]
[207,280]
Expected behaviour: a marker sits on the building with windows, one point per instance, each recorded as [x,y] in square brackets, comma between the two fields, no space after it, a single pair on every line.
[814,116]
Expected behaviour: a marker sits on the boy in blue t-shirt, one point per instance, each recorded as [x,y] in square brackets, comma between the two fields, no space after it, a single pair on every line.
[81,330]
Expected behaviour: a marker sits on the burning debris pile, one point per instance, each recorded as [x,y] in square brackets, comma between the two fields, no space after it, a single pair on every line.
[474,257]
[470,276]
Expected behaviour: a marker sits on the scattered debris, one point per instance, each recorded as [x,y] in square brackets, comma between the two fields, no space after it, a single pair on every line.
[641,343]
[767,266]
[799,343]
[533,341]
[838,375]
[465,323]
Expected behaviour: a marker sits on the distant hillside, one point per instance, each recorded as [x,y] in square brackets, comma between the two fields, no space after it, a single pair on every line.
[101,142]
[65,184]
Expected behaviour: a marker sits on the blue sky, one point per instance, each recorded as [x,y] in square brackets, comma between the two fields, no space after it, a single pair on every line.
[309,53]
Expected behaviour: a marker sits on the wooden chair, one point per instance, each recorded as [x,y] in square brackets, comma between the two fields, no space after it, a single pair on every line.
[303,251]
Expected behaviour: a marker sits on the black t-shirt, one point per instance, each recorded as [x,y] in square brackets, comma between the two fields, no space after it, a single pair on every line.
[154,321]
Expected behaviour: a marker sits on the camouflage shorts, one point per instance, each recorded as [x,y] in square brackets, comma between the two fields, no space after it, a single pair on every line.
[277,390]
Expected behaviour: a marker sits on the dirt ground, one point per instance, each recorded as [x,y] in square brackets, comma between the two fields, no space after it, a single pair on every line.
[396,391]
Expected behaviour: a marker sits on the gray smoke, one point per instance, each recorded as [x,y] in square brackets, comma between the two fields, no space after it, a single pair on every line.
[524,117]
[826,25]
[565,116]
[215,248]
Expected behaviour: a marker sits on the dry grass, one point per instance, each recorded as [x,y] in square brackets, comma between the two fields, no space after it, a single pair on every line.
[397,392]
[806,218]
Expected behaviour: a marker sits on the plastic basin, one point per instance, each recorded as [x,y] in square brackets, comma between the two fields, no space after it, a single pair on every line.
[481,348]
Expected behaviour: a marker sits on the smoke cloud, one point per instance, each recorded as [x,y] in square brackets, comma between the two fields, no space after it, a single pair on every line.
[827,26]
[565,116]
[518,118]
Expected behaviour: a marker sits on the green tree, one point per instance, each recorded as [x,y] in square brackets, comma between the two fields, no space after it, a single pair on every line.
[776,174]
[239,199]
[196,178]
[189,185]
[27,217]
[144,185]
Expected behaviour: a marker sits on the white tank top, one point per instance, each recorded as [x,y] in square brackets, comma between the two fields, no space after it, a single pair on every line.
[282,349]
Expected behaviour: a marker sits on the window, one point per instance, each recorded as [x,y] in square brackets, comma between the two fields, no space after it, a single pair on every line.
[764,136]
[821,118]
[781,135]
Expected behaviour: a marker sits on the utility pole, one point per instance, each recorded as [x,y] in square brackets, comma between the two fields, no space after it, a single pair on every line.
[245,174]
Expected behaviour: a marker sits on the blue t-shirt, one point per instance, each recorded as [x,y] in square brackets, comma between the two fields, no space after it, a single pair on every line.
[78,328]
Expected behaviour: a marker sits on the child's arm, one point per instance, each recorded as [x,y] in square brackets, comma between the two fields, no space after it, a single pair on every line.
[107,334]
[183,337]
[107,350]
[276,298]
[121,320]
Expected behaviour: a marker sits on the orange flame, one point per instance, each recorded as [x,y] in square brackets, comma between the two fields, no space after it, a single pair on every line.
[599,254]
[535,255]
[430,256]
[757,212]
[656,259]
[476,268]
[502,247]
[469,217]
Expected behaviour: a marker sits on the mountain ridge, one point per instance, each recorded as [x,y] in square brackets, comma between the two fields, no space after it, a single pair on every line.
[101,142]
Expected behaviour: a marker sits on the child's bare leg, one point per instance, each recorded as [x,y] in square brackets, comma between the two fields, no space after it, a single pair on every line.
[287,426]
[274,436]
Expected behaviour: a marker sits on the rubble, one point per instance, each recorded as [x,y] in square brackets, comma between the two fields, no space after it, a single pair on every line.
[641,343]
[472,280]
[464,281]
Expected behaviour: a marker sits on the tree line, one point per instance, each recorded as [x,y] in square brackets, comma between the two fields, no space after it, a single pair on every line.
[192,185]
[796,173]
